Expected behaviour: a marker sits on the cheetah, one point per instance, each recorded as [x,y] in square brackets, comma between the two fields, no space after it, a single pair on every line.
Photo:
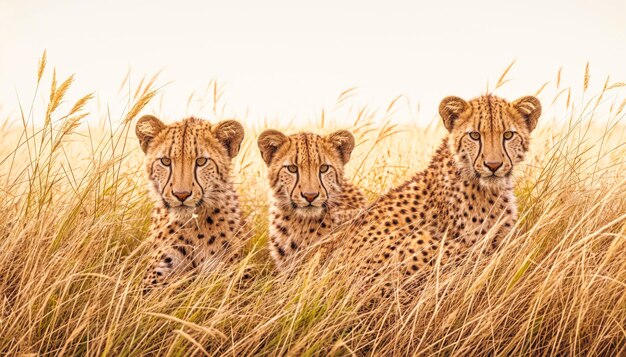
[464,195]
[310,195]
[196,220]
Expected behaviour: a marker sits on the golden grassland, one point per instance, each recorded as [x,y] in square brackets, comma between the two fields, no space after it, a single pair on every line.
[74,216]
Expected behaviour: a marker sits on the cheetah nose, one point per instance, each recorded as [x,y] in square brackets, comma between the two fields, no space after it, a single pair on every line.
[182,195]
[493,165]
[310,196]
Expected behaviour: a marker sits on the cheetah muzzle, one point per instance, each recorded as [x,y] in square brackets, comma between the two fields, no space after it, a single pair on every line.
[196,222]
[463,198]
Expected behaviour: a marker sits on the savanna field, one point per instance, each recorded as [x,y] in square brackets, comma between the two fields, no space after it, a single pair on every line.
[75,215]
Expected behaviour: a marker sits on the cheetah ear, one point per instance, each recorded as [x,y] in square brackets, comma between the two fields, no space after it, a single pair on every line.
[530,109]
[343,142]
[451,109]
[230,134]
[147,128]
[269,142]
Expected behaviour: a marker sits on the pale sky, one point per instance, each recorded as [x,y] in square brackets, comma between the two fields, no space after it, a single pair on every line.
[289,59]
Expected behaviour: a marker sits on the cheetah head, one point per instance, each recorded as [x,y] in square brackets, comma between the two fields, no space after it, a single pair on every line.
[489,135]
[306,170]
[188,162]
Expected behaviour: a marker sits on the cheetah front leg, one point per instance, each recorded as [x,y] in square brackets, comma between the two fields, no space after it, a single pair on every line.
[165,263]
[235,250]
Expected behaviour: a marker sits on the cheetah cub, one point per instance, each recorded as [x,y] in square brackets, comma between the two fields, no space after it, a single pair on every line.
[310,195]
[196,221]
[465,194]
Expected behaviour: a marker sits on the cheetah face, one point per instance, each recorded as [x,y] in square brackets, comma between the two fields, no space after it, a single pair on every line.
[489,135]
[188,162]
[306,170]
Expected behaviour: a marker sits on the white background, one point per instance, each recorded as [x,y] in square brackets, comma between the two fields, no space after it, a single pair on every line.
[287,60]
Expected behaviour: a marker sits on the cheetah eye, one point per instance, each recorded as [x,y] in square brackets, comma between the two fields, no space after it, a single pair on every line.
[474,135]
[324,168]
[292,168]
[508,135]
[166,161]
[201,161]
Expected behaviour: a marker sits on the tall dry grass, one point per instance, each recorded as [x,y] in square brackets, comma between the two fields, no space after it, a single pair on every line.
[75,214]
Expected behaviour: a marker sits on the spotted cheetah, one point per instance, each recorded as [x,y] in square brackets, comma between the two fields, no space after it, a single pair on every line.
[196,220]
[465,194]
[310,195]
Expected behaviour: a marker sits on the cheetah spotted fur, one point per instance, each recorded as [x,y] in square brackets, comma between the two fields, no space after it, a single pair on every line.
[310,195]
[465,194]
[196,222]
